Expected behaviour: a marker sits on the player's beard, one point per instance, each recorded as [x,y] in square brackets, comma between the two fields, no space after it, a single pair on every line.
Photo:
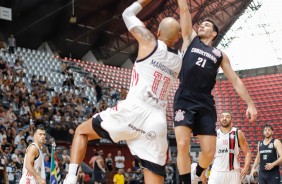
[225,125]
[268,136]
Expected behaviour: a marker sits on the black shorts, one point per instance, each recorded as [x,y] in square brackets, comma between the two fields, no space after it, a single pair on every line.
[196,111]
[155,168]
[269,177]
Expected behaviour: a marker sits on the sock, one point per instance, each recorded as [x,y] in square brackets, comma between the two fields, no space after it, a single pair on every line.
[185,178]
[199,170]
[73,169]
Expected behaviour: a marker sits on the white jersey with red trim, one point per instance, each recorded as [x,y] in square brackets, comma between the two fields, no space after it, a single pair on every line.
[153,76]
[38,166]
[227,151]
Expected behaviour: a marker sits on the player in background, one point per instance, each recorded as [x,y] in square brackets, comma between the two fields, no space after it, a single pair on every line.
[33,167]
[226,164]
[269,156]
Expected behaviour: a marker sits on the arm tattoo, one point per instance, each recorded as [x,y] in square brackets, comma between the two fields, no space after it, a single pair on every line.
[143,32]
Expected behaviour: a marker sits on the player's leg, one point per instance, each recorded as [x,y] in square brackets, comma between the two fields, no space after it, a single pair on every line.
[83,133]
[208,145]
[150,177]
[183,137]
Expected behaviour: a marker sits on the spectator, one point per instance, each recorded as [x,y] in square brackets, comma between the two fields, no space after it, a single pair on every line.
[30,136]
[11,170]
[6,148]
[15,156]
[119,177]
[109,162]
[66,159]
[10,136]
[18,68]
[21,145]
[11,44]
[4,68]
[10,115]
[99,170]
[47,164]
[2,133]
[102,105]
[119,161]
[123,93]
[129,177]
[81,176]
[3,173]
[98,89]
[169,174]
[19,137]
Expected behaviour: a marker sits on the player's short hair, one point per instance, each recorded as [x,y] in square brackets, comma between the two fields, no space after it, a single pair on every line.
[215,27]
[267,126]
[39,128]
[226,111]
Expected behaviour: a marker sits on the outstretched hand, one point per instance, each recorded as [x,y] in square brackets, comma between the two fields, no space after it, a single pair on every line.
[251,113]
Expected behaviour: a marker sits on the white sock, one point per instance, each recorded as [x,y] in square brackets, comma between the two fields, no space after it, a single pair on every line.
[73,169]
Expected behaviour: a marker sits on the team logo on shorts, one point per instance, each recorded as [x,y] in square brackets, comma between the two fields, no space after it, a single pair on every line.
[179,115]
[151,135]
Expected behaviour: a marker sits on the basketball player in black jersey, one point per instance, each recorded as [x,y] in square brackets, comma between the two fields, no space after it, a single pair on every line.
[269,156]
[194,105]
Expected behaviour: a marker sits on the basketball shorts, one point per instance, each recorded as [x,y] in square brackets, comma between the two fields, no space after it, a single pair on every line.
[196,111]
[224,177]
[269,177]
[142,126]
[27,180]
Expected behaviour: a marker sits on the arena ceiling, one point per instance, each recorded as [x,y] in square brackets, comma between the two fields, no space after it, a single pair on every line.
[99,26]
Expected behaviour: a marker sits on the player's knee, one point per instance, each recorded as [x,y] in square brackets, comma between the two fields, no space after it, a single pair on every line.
[80,130]
[182,147]
[208,152]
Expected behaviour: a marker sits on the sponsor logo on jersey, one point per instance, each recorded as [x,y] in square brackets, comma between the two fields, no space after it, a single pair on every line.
[216,52]
[151,135]
[270,145]
[134,128]
[232,136]
[179,115]
[223,150]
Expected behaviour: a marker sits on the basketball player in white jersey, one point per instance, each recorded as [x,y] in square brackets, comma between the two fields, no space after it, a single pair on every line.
[33,168]
[226,165]
[141,118]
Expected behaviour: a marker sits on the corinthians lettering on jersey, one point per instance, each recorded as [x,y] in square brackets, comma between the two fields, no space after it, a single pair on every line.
[163,68]
[203,53]
[265,151]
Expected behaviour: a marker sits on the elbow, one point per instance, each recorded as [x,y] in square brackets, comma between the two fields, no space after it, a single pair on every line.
[125,14]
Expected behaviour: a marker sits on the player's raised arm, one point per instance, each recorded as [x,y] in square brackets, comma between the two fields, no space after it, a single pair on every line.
[134,25]
[186,24]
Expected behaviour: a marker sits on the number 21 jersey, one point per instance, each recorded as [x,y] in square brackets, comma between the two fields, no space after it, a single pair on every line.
[200,67]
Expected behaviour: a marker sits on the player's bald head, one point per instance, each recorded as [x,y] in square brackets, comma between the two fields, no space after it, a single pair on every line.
[169,28]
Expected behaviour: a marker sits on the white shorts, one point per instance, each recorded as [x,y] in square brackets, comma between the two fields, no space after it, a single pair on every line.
[27,180]
[224,177]
[143,126]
